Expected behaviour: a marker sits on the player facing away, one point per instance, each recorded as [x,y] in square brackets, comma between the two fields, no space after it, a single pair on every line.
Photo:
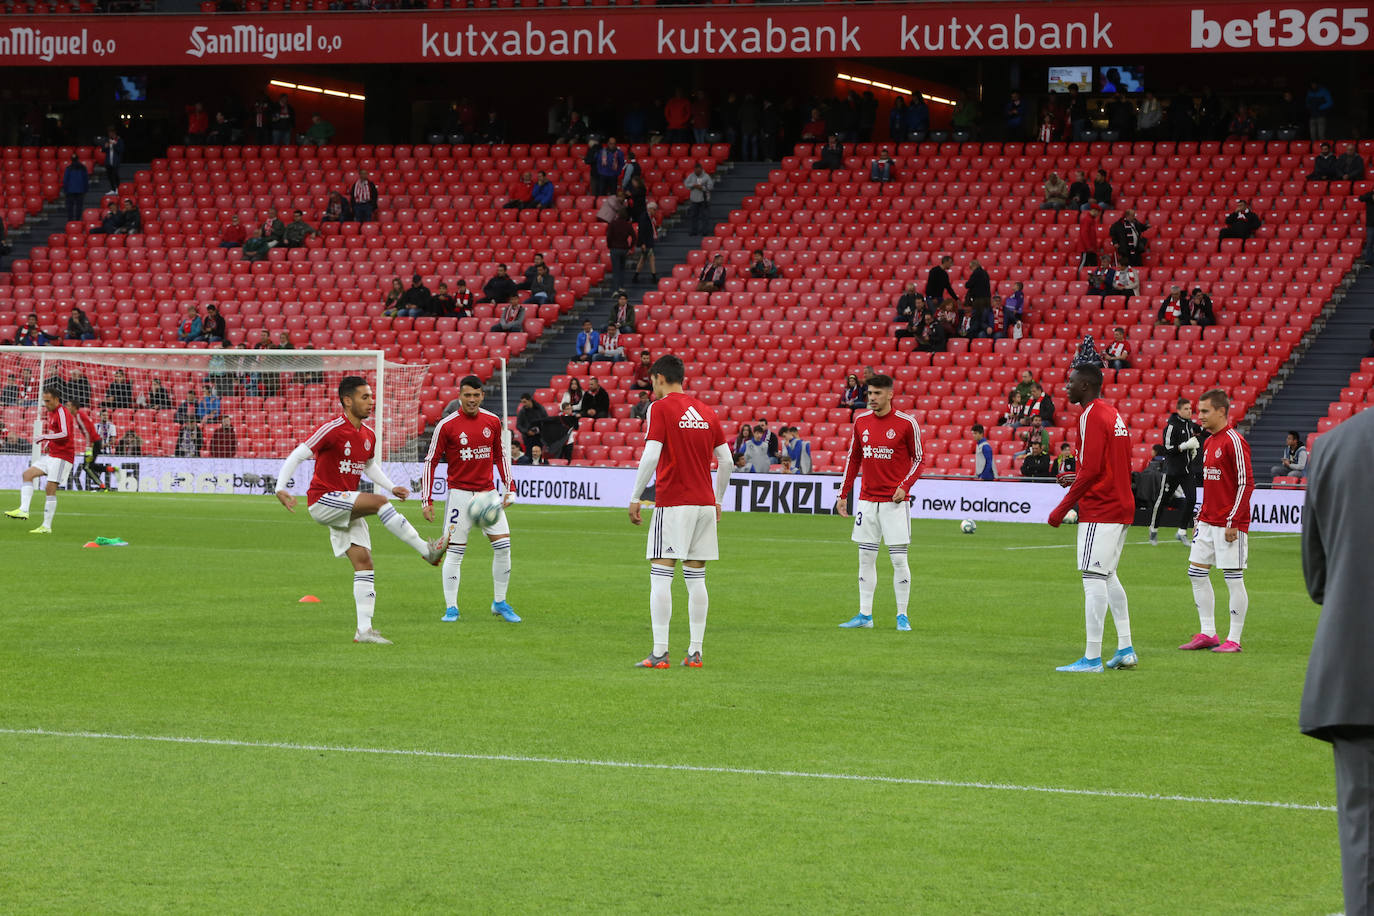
[682,436]
[886,452]
[1223,523]
[470,440]
[1181,442]
[59,451]
[344,449]
[1106,507]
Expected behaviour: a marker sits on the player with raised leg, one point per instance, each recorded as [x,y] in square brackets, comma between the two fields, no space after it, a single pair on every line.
[886,451]
[1106,507]
[1223,523]
[471,441]
[344,449]
[682,436]
[59,451]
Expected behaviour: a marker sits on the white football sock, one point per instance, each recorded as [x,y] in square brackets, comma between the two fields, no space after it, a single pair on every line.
[364,597]
[1240,602]
[1204,599]
[500,567]
[660,604]
[397,524]
[697,605]
[868,577]
[453,572]
[1116,600]
[25,497]
[49,510]
[1094,612]
[901,576]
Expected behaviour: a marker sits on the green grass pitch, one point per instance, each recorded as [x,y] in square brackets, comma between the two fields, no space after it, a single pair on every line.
[194,631]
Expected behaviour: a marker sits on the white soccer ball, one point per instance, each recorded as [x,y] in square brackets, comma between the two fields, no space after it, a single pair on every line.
[484,508]
[968,526]
[1071,517]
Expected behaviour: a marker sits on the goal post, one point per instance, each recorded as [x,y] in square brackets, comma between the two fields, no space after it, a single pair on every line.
[217,411]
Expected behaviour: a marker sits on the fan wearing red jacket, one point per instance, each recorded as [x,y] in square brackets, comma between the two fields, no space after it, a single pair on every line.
[1223,523]
[886,451]
[58,440]
[1102,491]
[472,443]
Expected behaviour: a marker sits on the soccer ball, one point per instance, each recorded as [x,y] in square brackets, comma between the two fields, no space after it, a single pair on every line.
[484,508]
[968,526]
[1071,517]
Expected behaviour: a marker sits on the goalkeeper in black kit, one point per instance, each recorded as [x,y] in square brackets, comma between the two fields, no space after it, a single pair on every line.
[1182,439]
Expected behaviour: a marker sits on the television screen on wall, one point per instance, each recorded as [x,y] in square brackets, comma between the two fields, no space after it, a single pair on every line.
[1111,80]
[1061,78]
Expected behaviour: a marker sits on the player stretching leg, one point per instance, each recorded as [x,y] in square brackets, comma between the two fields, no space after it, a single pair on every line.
[59,451]
[1223,523]
[344,449]
[886,450]
[1106,507]
[683,435]
[470,441]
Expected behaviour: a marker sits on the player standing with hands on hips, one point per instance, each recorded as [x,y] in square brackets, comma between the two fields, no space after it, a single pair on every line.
[1223,523]
[682,436]
[886,451]
[470,441]
[1101,489]
[344,449]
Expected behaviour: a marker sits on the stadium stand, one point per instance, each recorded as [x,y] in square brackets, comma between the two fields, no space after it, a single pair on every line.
[31,177]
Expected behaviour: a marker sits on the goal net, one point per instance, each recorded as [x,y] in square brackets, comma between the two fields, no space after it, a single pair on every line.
[201,420]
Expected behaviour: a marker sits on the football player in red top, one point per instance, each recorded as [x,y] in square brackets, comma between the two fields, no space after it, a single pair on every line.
[682,437]
[886,450]
[471,441]
[87,425]
[344,449]
[1101,488]
[58,441]
[1223,524]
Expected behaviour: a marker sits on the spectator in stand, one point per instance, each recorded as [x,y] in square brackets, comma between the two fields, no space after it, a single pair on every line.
[646,234]
[1033,433]
[831,157]
[113,147]
[234,234]
[283,120]
[909,304]
[79,389]
[284,341]
[701,116]
[223,442]
[157,398]
[930,334]
[130,220]
[320,132]
[541,288]
[415,301]
[337,210]
[713,276]
[1089,237]
[190,442]
[1037,463]
[572,398]
[298,230]
[1319,105]
[588,343]
[519,192]
[257,247]
[632,171]
[278,228]
[1014,117]
[1241,223]
[896,120]
[512,317]
[761,268]
[756,457]
[1065,463]
[699,186]
[363,196]
[1174,309]
[883,168]
[529,417]
[1125,282]
[1056,193]
[76,181]
[623,313]
[750,116]
[1149,117]
[1325,167]
[213,327]
[197,124]
[639,381]
[1200,310]
[541,194]
[917,118]
[576,129]
[119,394]
[442,303]
[1102,190]
[938,286]
[984,467]
[610,162]
[222,131]
[678,115]
[1367,198]
[1079,191]
[1118,351]
[978,292]
[1293,461]
[500,288]
[391,305]
[639,410]
[207,405]
[31,335]
[533,457]
[79,327]
[610,349]
[1121,116]
[112,221]
[527,278]
[1242,126]
[191,327]
[1350,164]
[620,242]
[1128,236]
[463,299]
[792,447]
[596,401]
[1040,404]
[742,438]
[1014,311]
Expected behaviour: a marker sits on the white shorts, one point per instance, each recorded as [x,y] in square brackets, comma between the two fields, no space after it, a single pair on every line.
[457,515]
[1099,546]
[334,510]
[55,469]
[889,523]
[683,533]
[1210,548]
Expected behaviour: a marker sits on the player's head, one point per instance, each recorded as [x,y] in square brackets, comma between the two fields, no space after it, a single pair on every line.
[470,395]
[1211,410]
[52,396]
[880,394]
[1184,408]
[355,394]
[667,374]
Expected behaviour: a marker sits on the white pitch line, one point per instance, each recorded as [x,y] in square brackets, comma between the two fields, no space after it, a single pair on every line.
[668,767]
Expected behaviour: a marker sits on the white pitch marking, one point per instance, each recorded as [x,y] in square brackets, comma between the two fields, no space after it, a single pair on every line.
[669,767]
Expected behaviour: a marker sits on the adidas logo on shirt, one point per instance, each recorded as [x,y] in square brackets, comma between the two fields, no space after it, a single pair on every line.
[692,420]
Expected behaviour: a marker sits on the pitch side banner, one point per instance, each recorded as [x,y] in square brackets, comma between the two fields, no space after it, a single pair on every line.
[696,33]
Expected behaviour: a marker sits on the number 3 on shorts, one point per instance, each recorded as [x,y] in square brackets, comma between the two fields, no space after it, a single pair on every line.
[858,519]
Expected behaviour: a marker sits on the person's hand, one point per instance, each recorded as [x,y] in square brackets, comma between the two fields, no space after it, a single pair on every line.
[841,508]
[1056,518]
[287,500]
[1189,444]
[428,512]
[507,500]
[1231,535]
[717,512]
[899,495]
[635,517]
[400,493]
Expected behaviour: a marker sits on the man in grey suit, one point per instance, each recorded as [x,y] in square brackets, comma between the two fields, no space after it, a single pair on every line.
[1337,700]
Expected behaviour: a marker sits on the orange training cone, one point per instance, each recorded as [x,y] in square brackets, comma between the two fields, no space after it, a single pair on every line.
[309,599]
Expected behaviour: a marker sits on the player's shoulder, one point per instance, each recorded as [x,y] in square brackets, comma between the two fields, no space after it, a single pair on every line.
[488,416]
[325,428]
[905,417]
[863,415]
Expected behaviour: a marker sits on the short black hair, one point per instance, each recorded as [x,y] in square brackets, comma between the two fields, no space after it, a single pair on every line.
[670,367]
[470,381]
[527,396]
[1092,372]
[1182,402]
[977,428]
[1217,398]
[1294,434]
[55,389]
[880,381]
[349,384]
